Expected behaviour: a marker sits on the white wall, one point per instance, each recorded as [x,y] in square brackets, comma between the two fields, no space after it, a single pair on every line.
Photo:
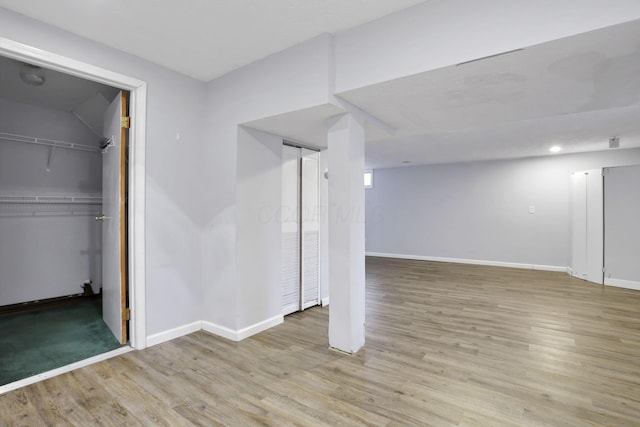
[258,195]
[191,193]
[46,256]
[287,81]
[480,210]
[175,103]
[324,229]
[439,33]
[622,226]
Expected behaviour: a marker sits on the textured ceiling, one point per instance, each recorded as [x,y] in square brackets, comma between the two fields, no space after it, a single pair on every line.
[60,91]
[575,92]
[204,38]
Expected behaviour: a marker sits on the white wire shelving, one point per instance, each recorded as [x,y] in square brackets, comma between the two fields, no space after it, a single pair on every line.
[47,142]
[50,205]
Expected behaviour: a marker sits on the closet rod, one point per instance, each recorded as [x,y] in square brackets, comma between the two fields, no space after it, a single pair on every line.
[85,200]
[47,142]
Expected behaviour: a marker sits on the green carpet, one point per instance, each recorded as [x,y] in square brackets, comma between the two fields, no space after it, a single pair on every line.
[38,341]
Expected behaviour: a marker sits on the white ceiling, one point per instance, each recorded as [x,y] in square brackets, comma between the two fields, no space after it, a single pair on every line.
[87,100]
[204,39]
[60,91]
[575,92]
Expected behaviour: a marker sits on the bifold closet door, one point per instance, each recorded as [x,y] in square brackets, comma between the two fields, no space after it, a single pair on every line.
[622,226]
[290,226]
[587,246]
[310,228]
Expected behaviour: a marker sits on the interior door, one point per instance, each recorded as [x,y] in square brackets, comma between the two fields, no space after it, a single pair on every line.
[579,225]
[113,217]
[587,246]
[290,229]
[310,229]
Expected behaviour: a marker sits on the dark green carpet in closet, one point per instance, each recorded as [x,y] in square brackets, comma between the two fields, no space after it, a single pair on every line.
[38,341]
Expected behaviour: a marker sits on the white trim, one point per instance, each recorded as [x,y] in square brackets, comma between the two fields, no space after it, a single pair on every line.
[291,308]
[325,301]
[470,261]
[260,326]
[620,283]
[64,369]
[137,216]
[221,331]
[240,334]
[138,106]
[174,333]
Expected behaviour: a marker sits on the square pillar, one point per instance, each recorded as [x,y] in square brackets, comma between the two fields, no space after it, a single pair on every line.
[346,233]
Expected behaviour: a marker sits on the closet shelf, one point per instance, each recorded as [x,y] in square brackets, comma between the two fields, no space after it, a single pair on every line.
[50,205]
[47,142]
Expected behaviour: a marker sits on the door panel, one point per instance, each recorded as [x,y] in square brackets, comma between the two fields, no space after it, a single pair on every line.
[290,229]
[579,225]
[112,230]
[595,226]
[587,225]
[310,229]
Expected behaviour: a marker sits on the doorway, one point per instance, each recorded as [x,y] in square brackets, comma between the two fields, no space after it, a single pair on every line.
[605,231]
[58,299]
[135,167]
[300,228]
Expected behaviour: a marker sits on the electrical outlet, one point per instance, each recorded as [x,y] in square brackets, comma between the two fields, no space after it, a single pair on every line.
[532,209]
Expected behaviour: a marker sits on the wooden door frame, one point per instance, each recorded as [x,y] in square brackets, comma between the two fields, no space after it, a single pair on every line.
[137,140]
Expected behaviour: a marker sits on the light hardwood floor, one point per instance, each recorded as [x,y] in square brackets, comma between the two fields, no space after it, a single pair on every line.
[447,344]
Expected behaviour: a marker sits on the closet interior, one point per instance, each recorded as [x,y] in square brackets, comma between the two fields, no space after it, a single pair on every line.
[51,156]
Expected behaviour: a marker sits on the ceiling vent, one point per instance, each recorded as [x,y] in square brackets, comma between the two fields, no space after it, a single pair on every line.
[614,142]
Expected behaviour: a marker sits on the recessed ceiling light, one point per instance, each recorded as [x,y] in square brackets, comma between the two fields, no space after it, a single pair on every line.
[32,75]
[555,149]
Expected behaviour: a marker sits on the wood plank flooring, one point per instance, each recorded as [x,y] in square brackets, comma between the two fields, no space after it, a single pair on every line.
[447,344]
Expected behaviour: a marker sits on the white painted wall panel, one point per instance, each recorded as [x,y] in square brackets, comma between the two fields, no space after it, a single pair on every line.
[438,33]
[479,211]
[258,234]
[52,253]
[622,224]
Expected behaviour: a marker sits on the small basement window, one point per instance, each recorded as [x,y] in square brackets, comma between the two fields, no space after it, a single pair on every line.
[368,179]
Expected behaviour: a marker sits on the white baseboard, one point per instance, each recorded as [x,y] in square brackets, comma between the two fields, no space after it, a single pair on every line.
[173,333]
[64,369]
[240,334]
[259,327]
[619,283]
[325,301]
[470,261]
[221,331]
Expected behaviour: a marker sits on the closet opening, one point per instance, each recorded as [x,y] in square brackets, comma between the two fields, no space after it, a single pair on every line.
[300,227]
[63,219]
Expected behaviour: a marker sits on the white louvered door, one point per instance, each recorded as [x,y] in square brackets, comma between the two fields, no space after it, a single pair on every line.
[290,226]
[310,229]
[300,229]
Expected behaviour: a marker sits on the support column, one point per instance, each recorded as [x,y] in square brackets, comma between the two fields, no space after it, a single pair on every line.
[346,234]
